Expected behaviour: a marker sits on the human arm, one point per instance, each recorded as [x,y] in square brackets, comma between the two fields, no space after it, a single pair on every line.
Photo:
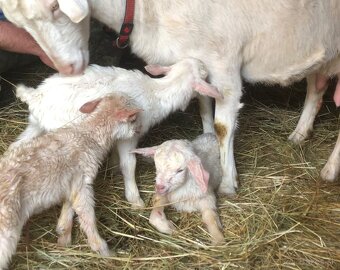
[17,40]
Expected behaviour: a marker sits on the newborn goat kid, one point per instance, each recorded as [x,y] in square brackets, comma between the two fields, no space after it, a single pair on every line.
[188,174]
[60,166]
[56,101]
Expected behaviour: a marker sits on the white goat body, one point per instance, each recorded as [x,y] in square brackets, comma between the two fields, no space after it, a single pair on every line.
[56,102]
[260,40]
[60,167]
[188,175]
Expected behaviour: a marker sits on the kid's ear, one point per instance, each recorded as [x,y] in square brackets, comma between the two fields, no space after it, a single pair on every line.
[11,4]
[157,70]
[199,173]
[127,114]
[207,89]
[90,106]
[76,10]
[147,152]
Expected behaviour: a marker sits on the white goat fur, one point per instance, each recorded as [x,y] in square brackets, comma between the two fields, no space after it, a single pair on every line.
[56,101]
[180,185]
[60,167]
[260,40]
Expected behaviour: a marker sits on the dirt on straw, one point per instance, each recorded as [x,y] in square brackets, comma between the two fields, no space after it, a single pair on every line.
[283,216]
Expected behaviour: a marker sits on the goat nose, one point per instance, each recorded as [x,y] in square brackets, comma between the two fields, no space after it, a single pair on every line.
[160,188]
[66,70]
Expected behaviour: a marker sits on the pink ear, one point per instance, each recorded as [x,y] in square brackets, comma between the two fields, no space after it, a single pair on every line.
[127,115]
[157,70]
[207,89]
[147,152]
[199,173]
[90,106]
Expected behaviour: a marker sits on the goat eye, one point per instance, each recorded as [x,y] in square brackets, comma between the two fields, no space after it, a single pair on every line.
[180,170]
[55,7]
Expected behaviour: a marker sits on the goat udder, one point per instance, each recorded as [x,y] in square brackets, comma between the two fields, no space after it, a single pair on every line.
[337,94]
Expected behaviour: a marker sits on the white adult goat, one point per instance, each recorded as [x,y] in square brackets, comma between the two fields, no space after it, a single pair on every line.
[56,102]
[260,40]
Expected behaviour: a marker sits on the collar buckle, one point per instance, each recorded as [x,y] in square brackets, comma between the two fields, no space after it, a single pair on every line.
[121,44]
[123,38]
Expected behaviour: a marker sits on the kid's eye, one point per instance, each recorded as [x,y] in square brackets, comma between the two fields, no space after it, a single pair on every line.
[180,170]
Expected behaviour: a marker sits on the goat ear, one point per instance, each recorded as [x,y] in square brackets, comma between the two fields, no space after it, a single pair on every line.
[9,6]
[127,114]
[207,89]
[13,3]
[157,70]
[90,106]
[76,10]
[199,173]
[147,152]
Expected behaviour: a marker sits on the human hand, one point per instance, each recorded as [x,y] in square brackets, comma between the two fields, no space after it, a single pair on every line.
[17,40]
[46,60]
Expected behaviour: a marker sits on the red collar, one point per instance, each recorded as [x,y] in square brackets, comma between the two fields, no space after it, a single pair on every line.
[122,40]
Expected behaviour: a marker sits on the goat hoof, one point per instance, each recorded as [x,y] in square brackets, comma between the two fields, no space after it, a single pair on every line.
[218,241]
[163,226]
[329,173]
[298,137]
[227,190]
[106,252]
[138,204]
[103,249]
[64,240]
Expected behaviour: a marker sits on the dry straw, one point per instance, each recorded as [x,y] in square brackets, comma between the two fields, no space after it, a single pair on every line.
[283,217]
